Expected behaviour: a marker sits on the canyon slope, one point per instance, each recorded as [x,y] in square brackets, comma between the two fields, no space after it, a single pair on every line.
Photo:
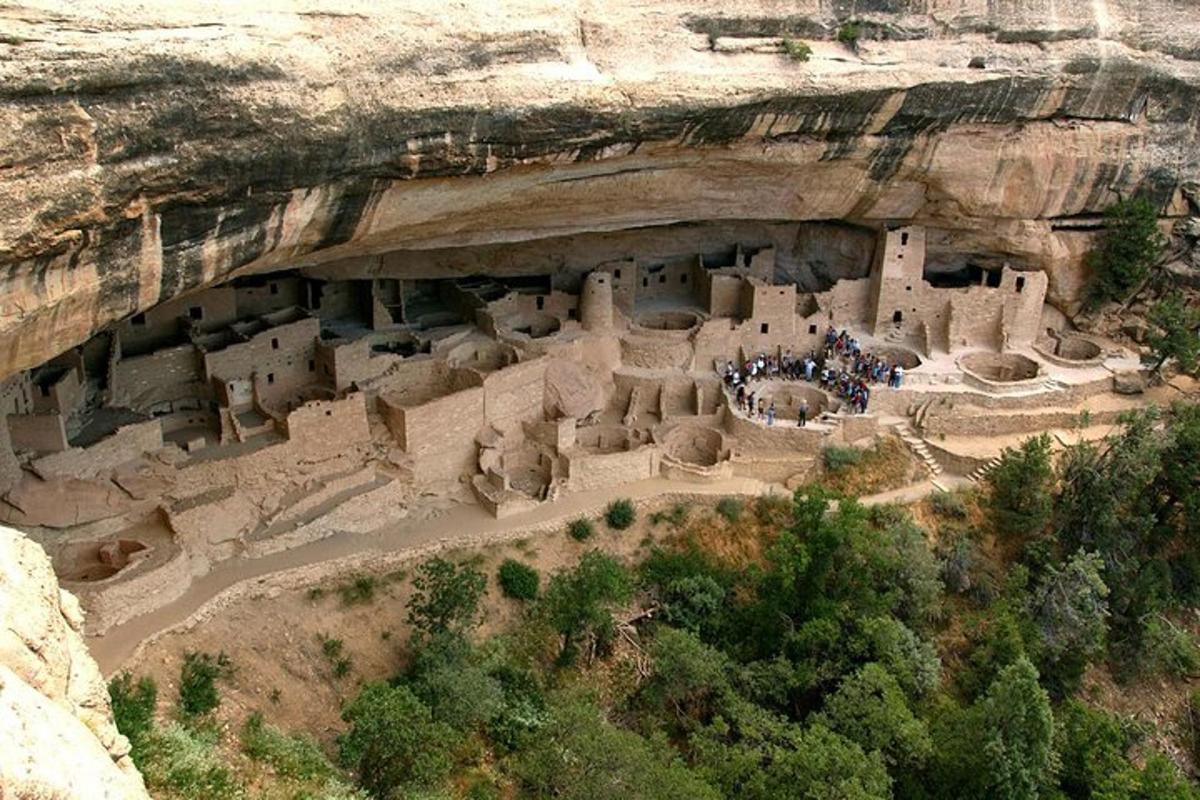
[153,147]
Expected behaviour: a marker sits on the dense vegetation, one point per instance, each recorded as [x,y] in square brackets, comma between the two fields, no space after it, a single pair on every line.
[797,649]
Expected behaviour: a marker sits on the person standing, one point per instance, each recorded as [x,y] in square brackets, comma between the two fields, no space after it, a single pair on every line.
[803,418]
[771,414]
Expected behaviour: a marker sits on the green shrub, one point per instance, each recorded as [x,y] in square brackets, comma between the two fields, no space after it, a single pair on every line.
[837,458]
[518,581]
[677,515]
[334,651]
[796,51]
[948,504]
[290,755]
[198,693]
[581,529]
[183,762]
[133,707]
[730,508]
[332,648]
[620,514]
[358,590]
[849,32]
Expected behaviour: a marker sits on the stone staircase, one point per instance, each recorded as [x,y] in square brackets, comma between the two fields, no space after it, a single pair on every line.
[918,446]
[1054,384]
[981,473]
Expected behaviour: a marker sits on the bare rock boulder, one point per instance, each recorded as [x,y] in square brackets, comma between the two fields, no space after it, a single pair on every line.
[57,736]
[1129,382]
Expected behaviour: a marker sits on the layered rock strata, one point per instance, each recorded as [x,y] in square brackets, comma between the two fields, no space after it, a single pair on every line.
[151,148]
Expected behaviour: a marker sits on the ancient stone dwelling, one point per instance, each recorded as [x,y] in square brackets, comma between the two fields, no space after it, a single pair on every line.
[284,407]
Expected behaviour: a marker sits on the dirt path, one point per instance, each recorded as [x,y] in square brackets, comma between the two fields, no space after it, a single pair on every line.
[464,525]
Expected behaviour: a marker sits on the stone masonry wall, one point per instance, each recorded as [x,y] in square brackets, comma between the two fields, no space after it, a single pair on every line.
[126,444]
[41,433]
[328,425]
[143,382]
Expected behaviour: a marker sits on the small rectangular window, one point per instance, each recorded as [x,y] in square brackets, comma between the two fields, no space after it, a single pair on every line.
[616,273]
[645,282]
[1020,284]
[196,312]
[662,278]
[683,278]
[270,377]
[812,328]
[903,239]
[764,328]
[274,344]
[312,365]
[541,303]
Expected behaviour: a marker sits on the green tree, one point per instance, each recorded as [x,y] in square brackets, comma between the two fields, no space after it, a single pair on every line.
[1130,247]
[448,675]
[1022,483]
[911,660]
[688,676]
[394,743]
[579,755]
[445,597]
[691,602]
[1017,730]
[1000,747]
[752,754]
[579,603]
[870,709]
[1070,609]
[1174,334]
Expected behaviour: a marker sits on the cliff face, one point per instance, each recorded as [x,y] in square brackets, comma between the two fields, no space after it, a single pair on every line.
[154,147]
[57,737]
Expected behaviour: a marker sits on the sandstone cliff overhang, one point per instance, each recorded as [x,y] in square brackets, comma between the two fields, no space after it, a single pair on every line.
[150,148]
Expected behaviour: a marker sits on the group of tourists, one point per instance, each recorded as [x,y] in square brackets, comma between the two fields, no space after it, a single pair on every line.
[843,367]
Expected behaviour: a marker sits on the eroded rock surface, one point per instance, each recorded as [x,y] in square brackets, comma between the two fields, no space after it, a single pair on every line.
[154,147]
[57,737]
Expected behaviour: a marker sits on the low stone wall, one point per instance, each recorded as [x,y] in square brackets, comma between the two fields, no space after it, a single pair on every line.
[783,436]
[588,471]
[144,587]
[965,421]
[128,443]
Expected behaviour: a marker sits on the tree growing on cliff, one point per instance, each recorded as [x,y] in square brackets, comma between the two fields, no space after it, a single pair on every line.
[1174,334]
[1130,247]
